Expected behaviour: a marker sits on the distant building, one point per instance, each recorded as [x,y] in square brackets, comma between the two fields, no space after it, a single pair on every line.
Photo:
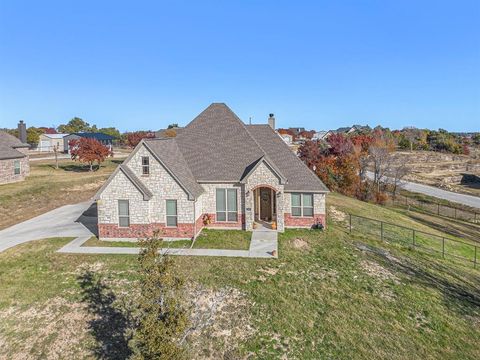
[47,142]
[322,135]
[14,164]
[353,129]
[296,130]
[104,139]
[287,138]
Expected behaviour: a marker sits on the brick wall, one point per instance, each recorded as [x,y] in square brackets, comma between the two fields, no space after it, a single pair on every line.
[239,224]
[7,170]
[109,231]
[298,221]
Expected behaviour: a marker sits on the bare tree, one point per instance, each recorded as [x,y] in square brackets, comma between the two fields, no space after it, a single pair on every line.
[380,159]
[396,173]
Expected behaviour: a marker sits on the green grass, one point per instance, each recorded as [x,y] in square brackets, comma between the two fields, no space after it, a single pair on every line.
[223,239]
[328,296]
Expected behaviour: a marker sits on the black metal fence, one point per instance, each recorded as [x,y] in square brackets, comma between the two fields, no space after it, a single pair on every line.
[445,247]
[435,208]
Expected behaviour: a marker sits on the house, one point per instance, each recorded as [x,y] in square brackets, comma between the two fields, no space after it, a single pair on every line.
[14,164]
[296,130]
[217,173]
[104,139]
[48,142]
[322,135]
[353,129]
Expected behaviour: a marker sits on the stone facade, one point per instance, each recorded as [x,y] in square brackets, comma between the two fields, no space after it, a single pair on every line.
[147,216]
[263,175]
[7,169]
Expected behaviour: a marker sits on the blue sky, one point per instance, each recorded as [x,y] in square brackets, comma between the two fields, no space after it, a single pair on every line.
[318,64]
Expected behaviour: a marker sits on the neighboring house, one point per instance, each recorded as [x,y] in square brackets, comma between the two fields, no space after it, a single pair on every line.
[104,139]
[287,138]
[47,142]
[353,129]
[296,130]
[14,164]
[322,135]
[217,172]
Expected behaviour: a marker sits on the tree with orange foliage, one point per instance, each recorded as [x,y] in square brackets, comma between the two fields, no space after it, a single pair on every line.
[88,151]
[134,138]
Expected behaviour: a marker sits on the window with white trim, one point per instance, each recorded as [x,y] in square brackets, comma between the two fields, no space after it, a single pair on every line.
[16,167]
[123,213]
[226,205]
[172,216]
[145,165]
[302,204]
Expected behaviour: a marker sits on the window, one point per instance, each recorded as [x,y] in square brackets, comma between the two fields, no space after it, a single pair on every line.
[171,212]
[145,165]
[16,165]
[123,213]
[226,200]
[302,204]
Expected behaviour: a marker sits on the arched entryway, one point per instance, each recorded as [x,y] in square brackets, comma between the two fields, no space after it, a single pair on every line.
[265,207]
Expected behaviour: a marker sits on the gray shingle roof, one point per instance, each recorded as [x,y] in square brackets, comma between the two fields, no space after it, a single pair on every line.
[299,176]
[167,151]
[147,195]
[8,146]
[216,145]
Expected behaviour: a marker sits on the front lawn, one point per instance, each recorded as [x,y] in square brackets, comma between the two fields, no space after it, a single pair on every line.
[223,239]
[328,295]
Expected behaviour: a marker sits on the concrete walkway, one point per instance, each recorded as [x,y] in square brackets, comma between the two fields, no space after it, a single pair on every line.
[262,245]
[468,200]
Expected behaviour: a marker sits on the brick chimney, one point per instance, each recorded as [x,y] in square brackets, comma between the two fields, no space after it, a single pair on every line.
[271,121]
[22,131]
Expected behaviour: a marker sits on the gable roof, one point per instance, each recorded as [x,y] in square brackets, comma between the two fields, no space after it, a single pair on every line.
[55,136]
[8,146]
[169,155]
[299,176]
[216,145]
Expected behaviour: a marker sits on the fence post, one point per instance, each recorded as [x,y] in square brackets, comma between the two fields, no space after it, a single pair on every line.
[381,229]
[413,237]
[475,259]
[455,213]
[443,247]
[438,209]
[350,224]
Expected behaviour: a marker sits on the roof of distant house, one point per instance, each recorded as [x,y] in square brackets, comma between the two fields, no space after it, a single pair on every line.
[55,136]
[8,146]
[94,135]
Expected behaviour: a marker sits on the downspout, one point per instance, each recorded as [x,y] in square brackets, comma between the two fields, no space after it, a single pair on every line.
[194,225]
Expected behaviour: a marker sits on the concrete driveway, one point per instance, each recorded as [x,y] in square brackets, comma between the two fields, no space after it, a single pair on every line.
[66,221]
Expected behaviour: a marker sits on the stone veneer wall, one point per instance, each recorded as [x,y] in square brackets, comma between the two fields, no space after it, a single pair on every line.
[7,170]
[263,176]
[145,216]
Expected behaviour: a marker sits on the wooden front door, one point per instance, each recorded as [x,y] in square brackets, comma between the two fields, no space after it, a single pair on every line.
[265,204]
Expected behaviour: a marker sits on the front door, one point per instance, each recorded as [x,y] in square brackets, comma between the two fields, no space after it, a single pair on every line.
[265,204]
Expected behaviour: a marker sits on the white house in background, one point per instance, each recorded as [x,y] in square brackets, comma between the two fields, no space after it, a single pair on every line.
[47,142]
[287,138]
[322,135]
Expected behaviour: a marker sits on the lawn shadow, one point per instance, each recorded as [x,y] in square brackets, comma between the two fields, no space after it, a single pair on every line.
[117,161]
[111,322]
[89,219]
[460,290]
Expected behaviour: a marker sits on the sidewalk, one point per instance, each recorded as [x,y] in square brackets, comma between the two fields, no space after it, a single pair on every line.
[262,245]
